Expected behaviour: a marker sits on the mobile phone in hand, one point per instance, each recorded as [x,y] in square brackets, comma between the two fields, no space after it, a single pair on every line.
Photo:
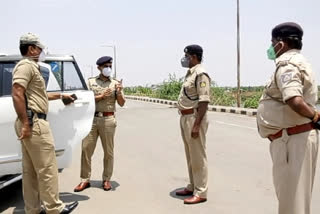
[67,101]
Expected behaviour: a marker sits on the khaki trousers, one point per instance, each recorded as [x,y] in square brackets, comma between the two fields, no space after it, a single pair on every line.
[40,172]
[105,128]
[294,163]
[195,150]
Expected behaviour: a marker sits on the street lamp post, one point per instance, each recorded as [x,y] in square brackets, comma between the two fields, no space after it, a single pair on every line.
[238,55]
[114,58]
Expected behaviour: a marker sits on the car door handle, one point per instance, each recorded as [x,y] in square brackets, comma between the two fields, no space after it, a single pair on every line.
[81,103]
[81,100]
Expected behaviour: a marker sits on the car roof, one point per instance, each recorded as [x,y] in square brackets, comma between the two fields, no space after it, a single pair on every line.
[49,57]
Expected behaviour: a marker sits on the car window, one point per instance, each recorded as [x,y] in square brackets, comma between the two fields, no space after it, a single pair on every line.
[51,81]
[6,78]
[71,78]
[61,72]
[56,68]
[45,73]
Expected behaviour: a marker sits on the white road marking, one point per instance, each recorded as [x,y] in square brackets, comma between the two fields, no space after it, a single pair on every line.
[231,124]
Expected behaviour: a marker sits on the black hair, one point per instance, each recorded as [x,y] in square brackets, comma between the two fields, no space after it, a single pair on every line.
[194,50]
[24,48]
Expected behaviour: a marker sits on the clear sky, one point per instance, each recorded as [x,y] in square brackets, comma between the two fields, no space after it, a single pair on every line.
[150,35]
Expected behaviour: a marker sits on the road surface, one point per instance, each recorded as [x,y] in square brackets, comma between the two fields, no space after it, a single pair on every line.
[150,166]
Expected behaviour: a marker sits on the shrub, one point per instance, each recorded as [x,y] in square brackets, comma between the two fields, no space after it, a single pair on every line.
[253,101]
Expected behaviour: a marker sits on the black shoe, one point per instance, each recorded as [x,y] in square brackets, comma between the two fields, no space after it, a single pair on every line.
[69,208]
[42,211]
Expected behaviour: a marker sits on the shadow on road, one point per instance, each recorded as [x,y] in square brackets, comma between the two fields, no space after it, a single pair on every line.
[11,197]
[173,193]
[68,197]
[98,184]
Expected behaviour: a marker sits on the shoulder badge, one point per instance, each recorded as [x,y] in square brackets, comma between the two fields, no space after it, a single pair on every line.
[203,84]
[286,77]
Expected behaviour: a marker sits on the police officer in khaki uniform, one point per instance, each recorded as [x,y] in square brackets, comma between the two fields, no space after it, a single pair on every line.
[107,91]
[193,104]
[287,115]
[30,99]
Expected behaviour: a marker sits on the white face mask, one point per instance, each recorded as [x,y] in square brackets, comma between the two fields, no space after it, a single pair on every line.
[42,56]
[107,72]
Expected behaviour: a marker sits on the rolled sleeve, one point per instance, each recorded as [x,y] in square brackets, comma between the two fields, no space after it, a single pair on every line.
[289,80]
[203,88]
[22,75]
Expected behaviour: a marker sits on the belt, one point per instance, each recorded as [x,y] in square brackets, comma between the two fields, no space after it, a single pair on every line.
[103,114]
[293,130]
[187,111]
[41,116]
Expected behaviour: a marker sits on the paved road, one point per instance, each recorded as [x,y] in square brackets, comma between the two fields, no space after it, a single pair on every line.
[150,166]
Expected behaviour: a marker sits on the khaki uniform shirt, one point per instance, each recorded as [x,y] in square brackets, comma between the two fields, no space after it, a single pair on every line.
[195,88]
[294,77]
[26,73]
[98,86]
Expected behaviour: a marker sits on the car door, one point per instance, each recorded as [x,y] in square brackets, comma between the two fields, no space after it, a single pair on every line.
[10,152]
[69,123]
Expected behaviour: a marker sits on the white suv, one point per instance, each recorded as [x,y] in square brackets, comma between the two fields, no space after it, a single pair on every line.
[69,124]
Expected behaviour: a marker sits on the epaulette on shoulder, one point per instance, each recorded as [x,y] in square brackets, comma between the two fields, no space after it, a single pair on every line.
[93,77]
[90,79]
[202,72]
[26,62]
[288,62]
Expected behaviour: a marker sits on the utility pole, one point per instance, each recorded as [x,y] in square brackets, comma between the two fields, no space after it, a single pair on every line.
[238,56]
[114,58]
[115,61]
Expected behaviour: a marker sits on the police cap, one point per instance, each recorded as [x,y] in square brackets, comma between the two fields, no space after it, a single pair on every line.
[289,30]
[193,50]
[103,60]
[31,39]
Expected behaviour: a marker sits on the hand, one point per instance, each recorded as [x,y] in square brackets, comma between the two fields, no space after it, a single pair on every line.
[119,86]
[25,131]
[107,93]
[195,131]
[68,97]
